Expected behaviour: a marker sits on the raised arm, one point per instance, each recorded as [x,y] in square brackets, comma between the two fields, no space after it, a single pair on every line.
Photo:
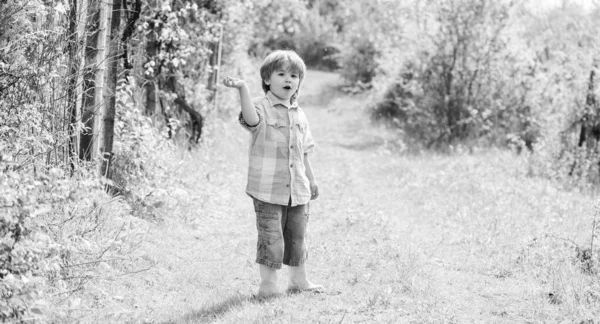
[248,110]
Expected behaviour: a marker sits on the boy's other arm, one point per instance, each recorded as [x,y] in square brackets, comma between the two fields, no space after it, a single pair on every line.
[314,187]
[248,110]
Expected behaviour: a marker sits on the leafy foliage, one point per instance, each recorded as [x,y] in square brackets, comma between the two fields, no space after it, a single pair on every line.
[297,25]
[136,166]
[28,254]
[565,96]
[30,83]
[57,233]
[452,88]
[368,29]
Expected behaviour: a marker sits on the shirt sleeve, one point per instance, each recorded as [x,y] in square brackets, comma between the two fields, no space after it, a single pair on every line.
[309,143]
[253,127]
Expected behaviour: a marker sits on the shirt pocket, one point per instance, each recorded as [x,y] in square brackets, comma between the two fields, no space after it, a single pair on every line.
[301,128]
[276,131]
[300,133]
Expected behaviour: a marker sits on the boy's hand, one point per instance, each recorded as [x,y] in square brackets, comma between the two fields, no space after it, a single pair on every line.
[314,190]
[233,82]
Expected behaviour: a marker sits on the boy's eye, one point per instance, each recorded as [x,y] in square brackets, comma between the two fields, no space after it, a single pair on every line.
[294,76]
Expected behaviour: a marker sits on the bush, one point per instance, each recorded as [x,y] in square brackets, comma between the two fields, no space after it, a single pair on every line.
[320,55]
[27,253]
[399,107]
[565,95]
[57,233]
[307,30]
[368,29]
[458,84]
[317,54]
[140,163]
[359,61]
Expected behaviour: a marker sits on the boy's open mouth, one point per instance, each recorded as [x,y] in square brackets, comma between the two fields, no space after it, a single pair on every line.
[287,87]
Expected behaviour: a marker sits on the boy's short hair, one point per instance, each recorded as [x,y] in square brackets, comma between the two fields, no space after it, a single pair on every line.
[275,60]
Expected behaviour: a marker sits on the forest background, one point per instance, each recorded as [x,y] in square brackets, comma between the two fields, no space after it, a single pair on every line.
[97,96]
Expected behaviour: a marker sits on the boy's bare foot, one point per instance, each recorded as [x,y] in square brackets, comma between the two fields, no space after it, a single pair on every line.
[298,281]
[309,286]
[267,289]
[268,282]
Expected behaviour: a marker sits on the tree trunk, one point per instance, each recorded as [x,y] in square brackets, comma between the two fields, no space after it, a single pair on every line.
[129,28]
[589,134]
[589,123]
[150,86]
[111,89]
[215,61]
[172,85]
[103,35]
[88,104]
[77,19]
[212,76]
[72,111]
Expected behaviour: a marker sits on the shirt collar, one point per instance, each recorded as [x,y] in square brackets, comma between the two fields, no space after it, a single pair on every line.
[274,101]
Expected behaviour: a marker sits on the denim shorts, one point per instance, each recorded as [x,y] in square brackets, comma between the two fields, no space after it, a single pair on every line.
[281,234]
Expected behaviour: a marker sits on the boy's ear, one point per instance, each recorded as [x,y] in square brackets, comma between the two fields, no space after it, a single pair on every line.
[267,82]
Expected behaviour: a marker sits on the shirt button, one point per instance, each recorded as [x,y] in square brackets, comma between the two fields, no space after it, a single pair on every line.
[292,146]
[291,165]
[287,185]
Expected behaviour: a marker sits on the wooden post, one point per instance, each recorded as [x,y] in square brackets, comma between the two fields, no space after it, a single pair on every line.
[110,89]
[99,109]
[77,41]
[81,41]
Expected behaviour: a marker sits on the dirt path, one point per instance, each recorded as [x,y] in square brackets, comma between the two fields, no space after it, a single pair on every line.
[424,239]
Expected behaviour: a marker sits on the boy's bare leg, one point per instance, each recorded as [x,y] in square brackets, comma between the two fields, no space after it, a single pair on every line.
[268,281]
[298,280]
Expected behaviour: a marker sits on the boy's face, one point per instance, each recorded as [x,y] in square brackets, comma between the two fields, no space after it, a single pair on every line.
[283,82]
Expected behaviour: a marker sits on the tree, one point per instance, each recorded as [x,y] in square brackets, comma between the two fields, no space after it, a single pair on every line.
[110,89]
[566,68]
[91,82]
[451,78]
[75,41]
[179,42]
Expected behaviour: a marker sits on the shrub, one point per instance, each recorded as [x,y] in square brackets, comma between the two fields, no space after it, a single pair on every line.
[307,31]
[564,95]
[27,253]
[359,61]
[139,161]
[458,83]
[320,55]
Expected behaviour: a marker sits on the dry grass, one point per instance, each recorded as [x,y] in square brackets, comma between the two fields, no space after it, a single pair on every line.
[396,239]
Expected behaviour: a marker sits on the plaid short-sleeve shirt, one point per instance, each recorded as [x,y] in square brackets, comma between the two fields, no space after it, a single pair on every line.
[276,171]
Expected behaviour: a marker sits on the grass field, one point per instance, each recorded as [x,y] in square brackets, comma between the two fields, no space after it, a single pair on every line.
[457,238]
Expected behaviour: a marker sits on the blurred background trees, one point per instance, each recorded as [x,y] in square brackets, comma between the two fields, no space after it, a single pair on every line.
[505,73]
[90,91]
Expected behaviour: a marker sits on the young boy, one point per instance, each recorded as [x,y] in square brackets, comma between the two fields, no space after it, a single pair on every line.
[280,178]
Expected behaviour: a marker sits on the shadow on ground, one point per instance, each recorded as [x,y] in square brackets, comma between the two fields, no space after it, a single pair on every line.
[209,313]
